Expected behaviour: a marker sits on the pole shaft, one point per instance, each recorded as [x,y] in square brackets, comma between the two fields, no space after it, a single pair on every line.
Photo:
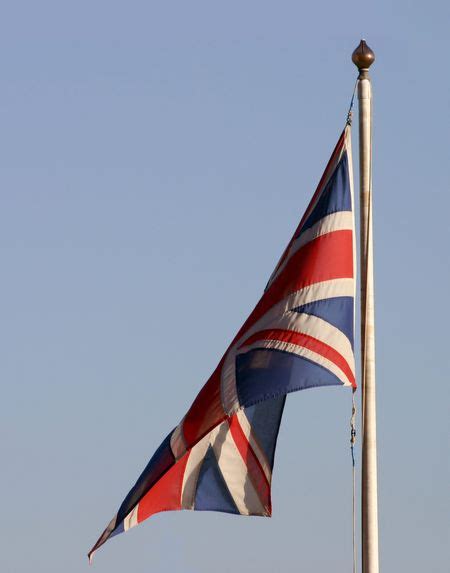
[369,495]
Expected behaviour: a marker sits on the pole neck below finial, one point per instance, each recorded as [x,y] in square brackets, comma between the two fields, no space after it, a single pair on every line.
[363,74]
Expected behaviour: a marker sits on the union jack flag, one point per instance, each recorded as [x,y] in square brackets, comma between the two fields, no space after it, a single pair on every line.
[299,335]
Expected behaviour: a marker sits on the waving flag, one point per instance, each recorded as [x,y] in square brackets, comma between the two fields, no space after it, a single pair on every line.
[299,335]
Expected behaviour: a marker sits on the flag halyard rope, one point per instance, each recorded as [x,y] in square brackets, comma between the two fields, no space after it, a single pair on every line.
[352,450]
[350,109]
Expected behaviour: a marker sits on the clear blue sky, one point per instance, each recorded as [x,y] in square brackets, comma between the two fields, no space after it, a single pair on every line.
[155,158]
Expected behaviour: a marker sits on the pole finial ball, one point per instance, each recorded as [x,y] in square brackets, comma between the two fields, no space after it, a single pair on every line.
[363,57]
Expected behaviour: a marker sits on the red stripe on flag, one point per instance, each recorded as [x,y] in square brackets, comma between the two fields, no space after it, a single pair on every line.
[256,472]
[165,495]
[325,258]
[306,341]
[206,411]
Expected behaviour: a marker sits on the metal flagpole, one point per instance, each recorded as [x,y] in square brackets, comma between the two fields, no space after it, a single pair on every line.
[363,57]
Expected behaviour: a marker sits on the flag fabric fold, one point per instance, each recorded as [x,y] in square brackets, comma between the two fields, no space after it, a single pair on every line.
[299,335]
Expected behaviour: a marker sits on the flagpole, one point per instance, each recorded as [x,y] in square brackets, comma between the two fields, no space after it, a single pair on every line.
[363,57]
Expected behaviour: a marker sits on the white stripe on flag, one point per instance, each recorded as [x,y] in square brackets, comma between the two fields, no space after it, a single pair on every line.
[131,519]
[300,351]
[312,293]
[319,329]
[259,453]
[232,467]
[235,473]
[192,470]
